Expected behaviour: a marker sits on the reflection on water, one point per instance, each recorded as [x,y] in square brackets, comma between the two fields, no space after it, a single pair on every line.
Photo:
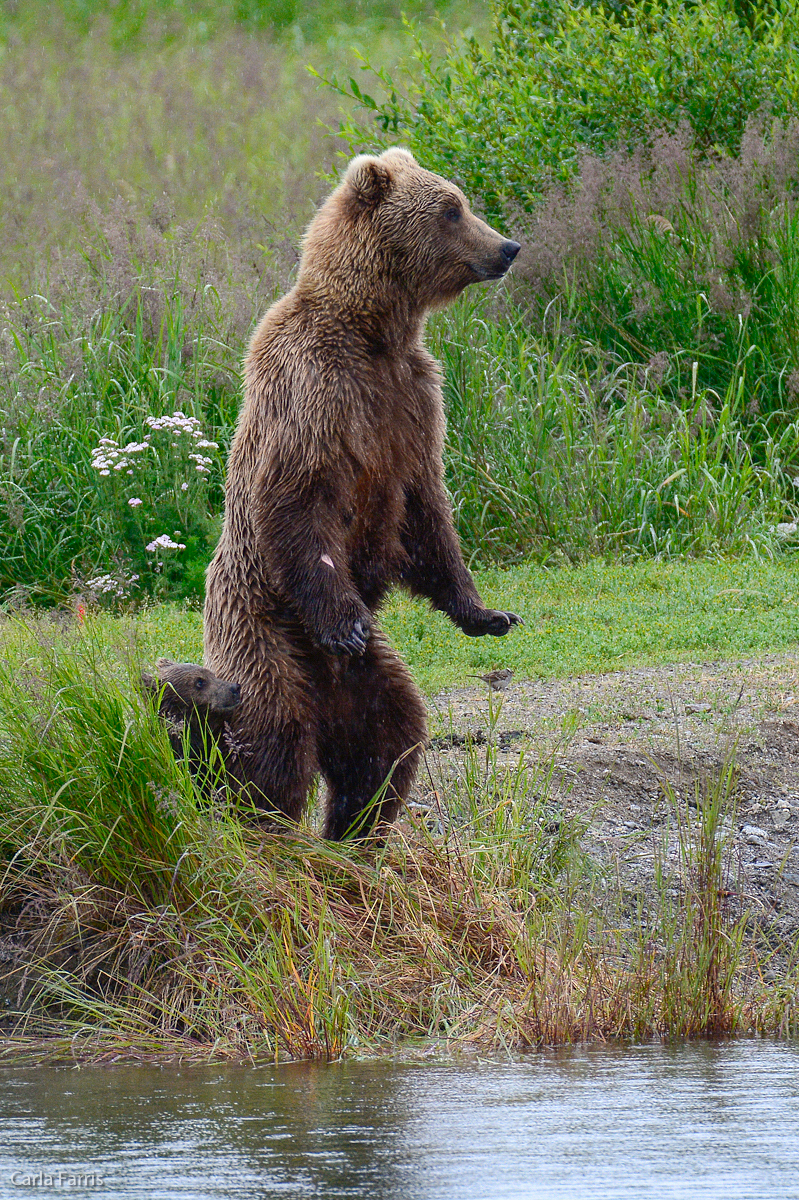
[716,1122]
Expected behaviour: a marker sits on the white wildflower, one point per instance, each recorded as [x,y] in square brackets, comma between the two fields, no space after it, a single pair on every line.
[177,423]
[134,502]
[111,585]
[164,542]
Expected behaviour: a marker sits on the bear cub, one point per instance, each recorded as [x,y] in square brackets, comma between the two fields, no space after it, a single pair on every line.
[192,698]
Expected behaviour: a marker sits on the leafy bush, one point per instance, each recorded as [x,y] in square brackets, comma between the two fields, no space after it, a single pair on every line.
[559,78]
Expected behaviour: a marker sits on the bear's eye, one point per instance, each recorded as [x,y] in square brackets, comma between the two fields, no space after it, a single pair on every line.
[453,214]
[199,684]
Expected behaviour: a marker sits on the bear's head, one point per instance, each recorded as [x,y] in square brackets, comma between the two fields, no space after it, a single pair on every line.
[188,688]
[393,231]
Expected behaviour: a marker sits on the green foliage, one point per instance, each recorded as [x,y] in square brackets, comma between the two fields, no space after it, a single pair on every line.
[136,331]
[66,525]
[679,261]
[563,78]
[703,940]
[550,453]
[559,445]
[87,775]
[557,452]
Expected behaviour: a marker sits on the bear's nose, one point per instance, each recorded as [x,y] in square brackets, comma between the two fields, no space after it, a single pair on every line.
[509,251]
[235,692]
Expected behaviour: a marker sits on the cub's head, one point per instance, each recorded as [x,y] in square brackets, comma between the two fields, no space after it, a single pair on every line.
[188,687]
[392,226]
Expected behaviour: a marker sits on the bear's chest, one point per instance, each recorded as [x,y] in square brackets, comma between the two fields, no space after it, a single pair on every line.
[399,420]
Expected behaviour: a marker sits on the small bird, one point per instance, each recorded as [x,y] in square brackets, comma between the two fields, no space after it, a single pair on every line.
[498,680]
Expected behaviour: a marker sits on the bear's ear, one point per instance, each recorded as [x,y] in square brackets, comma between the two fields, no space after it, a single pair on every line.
[370,180]
[163,663]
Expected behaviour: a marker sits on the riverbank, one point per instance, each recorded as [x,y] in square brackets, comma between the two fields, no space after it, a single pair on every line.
[585,857]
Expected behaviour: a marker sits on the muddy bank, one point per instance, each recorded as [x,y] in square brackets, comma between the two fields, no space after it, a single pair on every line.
[620,740]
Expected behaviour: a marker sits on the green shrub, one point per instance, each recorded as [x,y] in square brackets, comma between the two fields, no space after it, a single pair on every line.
[559,78]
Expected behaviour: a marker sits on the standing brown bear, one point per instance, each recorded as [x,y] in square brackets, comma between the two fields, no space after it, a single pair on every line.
[335,493]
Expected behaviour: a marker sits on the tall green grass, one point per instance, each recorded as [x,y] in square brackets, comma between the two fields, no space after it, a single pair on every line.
[565,453]
[685,264]
[551,453]
[149,322]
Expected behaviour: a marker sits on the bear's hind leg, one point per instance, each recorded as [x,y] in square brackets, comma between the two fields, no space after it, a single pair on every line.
[272,736]
[278,772]
[374,718]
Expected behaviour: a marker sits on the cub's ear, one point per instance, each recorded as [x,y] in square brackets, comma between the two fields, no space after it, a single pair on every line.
[163,663]
[370,180]
[148,684]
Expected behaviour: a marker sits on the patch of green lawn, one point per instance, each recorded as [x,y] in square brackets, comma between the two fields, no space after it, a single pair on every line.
[598,618]
[578,620]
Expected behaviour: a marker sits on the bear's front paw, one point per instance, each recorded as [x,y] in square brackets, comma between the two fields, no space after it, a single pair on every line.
[488,621]
[348,641]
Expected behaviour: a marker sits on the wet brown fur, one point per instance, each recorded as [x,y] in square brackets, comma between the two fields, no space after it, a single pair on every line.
[335,494]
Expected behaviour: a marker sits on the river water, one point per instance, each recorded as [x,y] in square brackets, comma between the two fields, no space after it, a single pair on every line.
[714,1122]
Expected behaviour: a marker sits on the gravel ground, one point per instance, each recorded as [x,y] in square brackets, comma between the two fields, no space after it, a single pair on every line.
[619,739]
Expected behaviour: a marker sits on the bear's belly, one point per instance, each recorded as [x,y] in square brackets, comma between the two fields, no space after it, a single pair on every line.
[375,550]
[372,579]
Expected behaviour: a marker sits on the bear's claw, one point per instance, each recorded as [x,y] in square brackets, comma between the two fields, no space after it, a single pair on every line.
[354,642]
[490,621]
